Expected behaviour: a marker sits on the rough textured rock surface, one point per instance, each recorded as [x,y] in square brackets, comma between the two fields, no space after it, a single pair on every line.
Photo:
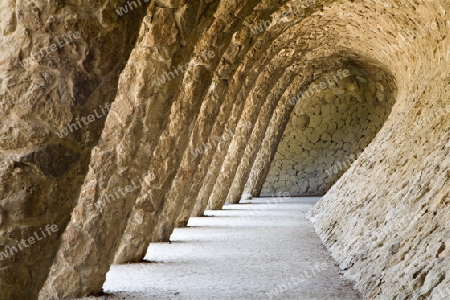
[59,62]
[130,137]
[176,134]
[187,129]
[386,221]
[332,123]
[393,237]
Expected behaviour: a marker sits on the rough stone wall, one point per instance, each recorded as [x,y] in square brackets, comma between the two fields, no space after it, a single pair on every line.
[386,221]
[142,165]
[252,64]
[331,124]
[392,237]
[138,125]
[59,64]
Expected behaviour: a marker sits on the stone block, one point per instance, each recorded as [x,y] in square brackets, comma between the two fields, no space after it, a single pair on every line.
[315,121]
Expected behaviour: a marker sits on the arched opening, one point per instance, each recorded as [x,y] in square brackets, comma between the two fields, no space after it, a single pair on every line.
[199,94]
[337,116]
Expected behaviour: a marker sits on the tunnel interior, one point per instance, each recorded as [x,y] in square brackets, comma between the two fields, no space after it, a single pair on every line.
[121,120]
[332,123]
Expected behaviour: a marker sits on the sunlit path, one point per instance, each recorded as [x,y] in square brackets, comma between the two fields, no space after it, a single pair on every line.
[246,251]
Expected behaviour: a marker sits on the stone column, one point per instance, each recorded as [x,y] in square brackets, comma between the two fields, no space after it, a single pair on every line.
[119,163]
[60,62]
[174,140]
[249,116]
[255,141]
[273,135]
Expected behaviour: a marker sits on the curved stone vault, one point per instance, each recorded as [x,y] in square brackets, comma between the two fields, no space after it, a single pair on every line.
[122,119]
[328,128]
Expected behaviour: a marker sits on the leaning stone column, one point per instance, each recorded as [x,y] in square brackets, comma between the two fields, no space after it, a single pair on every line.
[178,129]
[207,135]
[192,157]
[119,163]
[211,168]
[252,104]
[60,62]
[234,121]
[269,145]
[254,143]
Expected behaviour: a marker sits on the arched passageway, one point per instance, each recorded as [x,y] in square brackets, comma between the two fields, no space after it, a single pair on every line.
[332,123]
[260,249]
[120,120]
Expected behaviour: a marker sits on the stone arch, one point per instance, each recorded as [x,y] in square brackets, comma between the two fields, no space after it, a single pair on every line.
[147,142]
[331,124]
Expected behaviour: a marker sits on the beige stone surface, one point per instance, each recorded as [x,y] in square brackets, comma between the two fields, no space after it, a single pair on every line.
[386,220]
[392,237]
[332,123]
[59,63]
[128,178]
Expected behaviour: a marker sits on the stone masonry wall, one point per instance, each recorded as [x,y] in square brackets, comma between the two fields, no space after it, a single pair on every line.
[128,176]
[59,66]
[328,129]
